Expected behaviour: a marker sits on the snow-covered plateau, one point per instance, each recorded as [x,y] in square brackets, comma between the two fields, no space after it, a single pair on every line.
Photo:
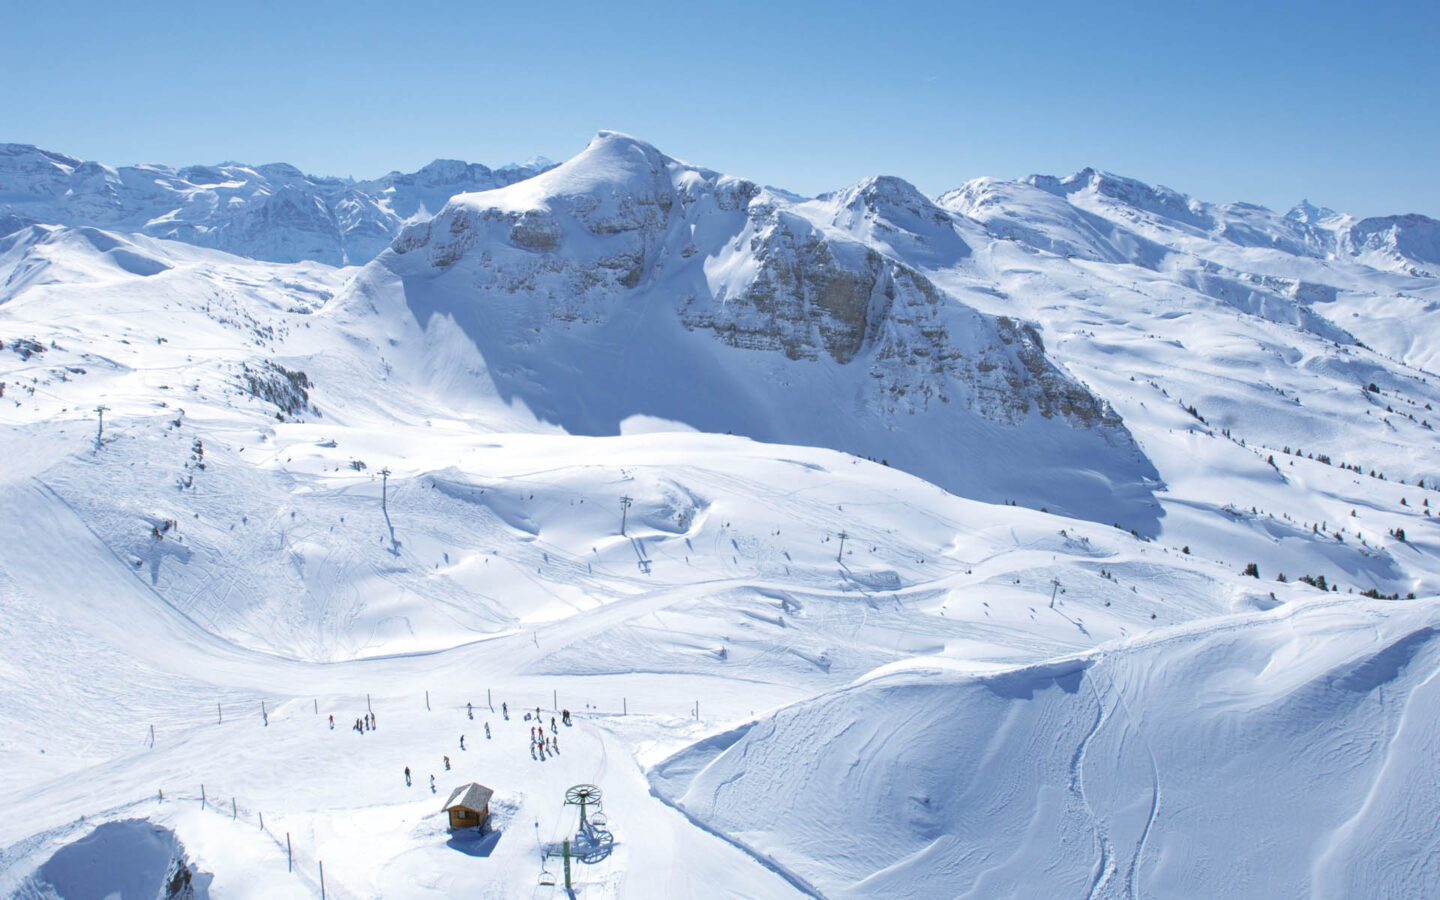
[1063,537]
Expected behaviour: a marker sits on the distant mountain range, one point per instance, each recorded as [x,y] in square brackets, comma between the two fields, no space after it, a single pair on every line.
[277,213]
[270,212]
[1089,203]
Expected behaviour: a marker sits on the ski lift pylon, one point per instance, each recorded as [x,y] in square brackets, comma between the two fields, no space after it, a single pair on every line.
[583,795]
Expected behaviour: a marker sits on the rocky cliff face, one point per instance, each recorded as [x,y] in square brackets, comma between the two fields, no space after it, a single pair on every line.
[623,223]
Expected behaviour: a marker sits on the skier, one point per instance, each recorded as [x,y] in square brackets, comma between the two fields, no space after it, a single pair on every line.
[487,731]
[565,716]
[532,732]
[462,742]
[407,776]
[432,784]
[505,711]
[332,723]
[552,724]
[447,763]
[469,711]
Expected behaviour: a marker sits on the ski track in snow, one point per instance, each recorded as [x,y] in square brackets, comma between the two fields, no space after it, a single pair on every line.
[1104,866]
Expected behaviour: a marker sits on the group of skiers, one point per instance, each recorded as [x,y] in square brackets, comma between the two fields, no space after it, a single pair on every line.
[363,724]
[540,742]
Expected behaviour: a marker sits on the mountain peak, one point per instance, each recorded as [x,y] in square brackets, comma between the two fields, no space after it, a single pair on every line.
[1109,187]
[892,213]
[612,165]
[606,136]
[450,171]
[616,148]
[1308,213]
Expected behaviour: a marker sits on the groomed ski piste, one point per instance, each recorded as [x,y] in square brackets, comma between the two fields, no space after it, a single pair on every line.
[793,671]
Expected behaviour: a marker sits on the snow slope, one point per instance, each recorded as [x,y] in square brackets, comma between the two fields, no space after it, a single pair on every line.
[1280,754]
[490,466]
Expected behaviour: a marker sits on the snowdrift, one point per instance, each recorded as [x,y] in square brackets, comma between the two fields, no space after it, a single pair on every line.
[1288,754]
[125,859]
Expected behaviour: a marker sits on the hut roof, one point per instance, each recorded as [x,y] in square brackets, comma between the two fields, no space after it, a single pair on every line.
[469,796]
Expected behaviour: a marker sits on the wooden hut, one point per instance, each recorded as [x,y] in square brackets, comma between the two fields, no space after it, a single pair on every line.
[469,806]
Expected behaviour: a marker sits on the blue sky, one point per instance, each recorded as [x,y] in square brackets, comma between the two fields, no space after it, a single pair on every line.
[1267,102]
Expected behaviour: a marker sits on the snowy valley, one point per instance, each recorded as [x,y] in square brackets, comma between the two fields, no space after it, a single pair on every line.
[1060,537]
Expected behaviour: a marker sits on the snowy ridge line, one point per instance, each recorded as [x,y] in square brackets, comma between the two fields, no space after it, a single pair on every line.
[1084,659]
[272,211]
[764,859]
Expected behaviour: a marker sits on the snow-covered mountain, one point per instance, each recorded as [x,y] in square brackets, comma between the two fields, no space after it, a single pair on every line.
[883,638]
[624,283]
[1114,215]
[271,212]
